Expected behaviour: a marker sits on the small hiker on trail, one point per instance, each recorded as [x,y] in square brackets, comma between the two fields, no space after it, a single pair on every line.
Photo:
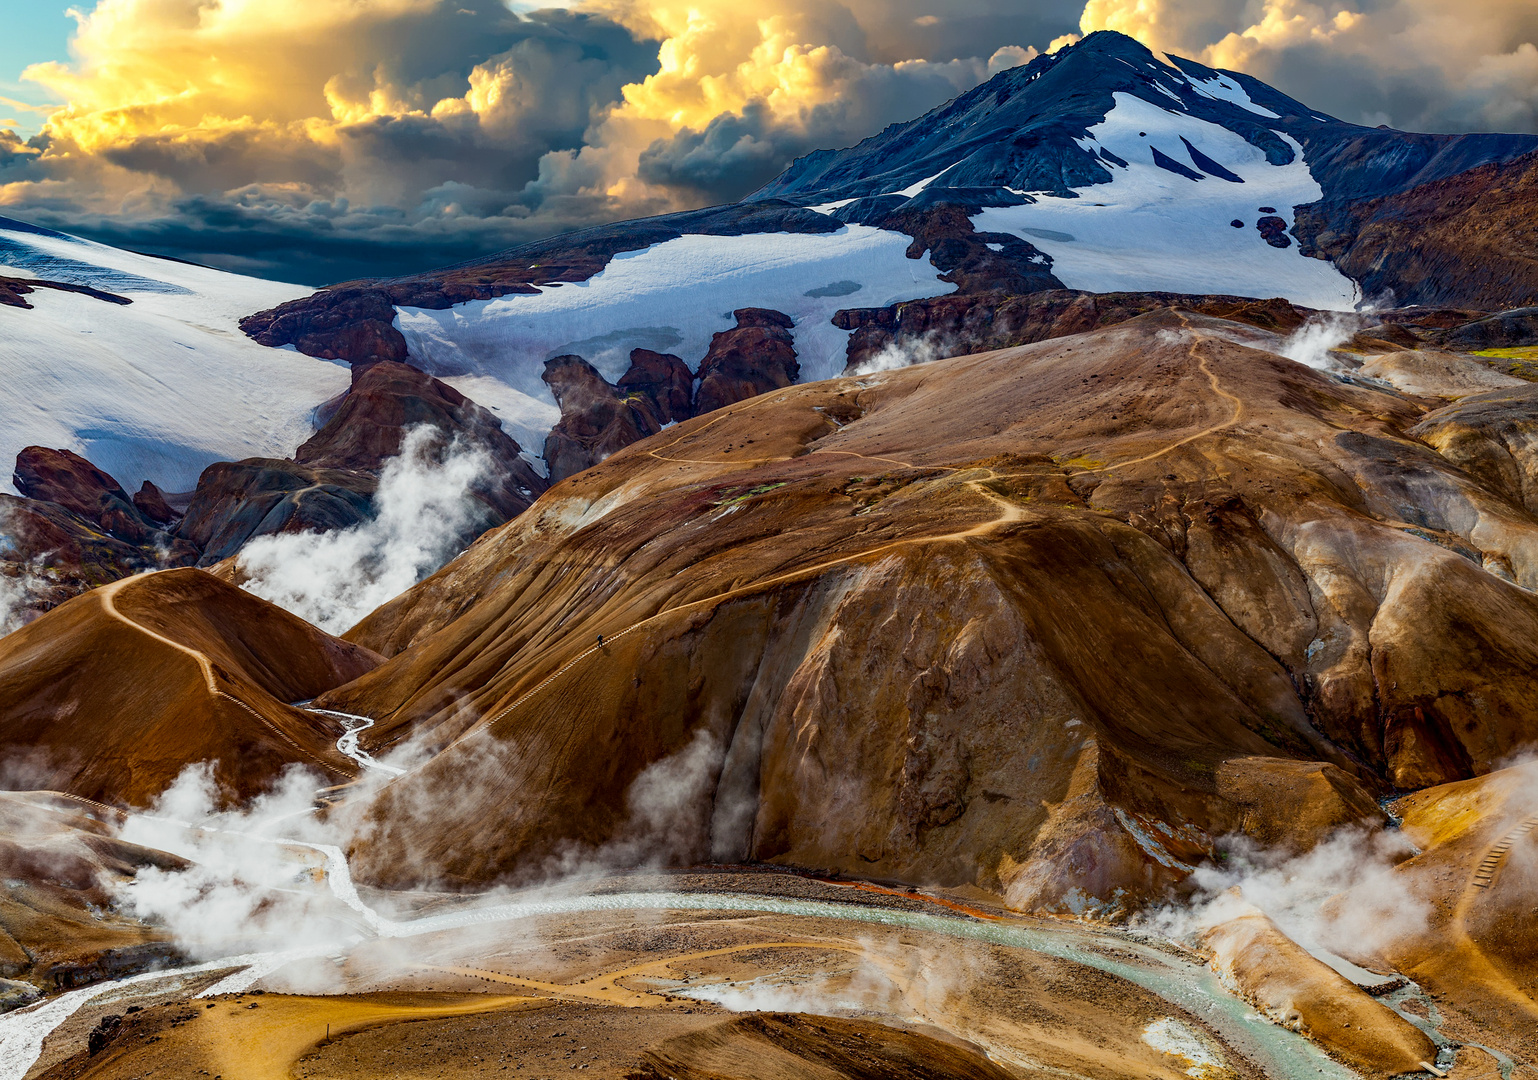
[600,641]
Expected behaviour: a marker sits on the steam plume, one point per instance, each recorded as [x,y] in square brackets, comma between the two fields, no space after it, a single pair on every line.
[1312,343]
[424,509]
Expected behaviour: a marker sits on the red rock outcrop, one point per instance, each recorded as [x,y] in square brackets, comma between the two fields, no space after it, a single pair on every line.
[74,529]
[664,380]
[387,400]
[70,481]
[757,356]
[112,694]
[331,483]
[1023,619]
[596,418]
[150,501]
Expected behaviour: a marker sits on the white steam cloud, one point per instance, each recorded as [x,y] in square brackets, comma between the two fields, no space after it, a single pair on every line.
[1295,890]
[1312,343]
[239,889]
[20,584]
[905,353]
[14,595]
[423,510]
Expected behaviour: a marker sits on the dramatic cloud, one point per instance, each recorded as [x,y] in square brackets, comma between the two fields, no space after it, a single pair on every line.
[393,134]
[1428,65]
[323,139]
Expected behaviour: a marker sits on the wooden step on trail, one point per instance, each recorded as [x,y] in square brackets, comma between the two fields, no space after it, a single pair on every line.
[1484,873]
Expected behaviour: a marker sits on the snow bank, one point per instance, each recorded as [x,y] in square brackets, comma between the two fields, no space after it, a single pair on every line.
[155,390]
[1152,229]
[672,297]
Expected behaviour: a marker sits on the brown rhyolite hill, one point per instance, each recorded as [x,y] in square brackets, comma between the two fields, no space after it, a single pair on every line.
[62,862]
[1047,620]
[111,695]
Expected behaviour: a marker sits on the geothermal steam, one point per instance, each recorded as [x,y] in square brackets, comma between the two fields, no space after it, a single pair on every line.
[423,508]
[931,346]
[1294,889]
[1312,343]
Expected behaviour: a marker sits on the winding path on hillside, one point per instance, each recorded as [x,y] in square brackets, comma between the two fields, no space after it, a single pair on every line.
[1217,388]
[107,595]
[1009,513]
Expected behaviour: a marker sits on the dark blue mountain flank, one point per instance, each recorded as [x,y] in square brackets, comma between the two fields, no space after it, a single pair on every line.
[1022,130]
[1207,165]
[1169,164]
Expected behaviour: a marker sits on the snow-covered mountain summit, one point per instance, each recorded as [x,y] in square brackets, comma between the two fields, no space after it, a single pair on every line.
[1032,130]
[1102,167]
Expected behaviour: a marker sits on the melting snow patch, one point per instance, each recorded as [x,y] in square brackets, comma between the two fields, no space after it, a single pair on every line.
[691,285]
[1225,89]
[1171,1037]
[1149,229]
[158,389]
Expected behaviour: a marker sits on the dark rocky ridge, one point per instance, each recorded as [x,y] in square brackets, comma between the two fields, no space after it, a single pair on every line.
[12,289]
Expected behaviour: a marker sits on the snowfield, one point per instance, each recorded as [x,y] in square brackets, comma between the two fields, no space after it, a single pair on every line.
[671,297]
[1153,229]
[154,390]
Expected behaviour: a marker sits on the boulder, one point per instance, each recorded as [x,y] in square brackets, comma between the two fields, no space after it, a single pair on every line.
[757,356]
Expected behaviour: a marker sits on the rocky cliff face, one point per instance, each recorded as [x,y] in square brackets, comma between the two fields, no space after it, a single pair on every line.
[596,418]
[757,356]
[1463,240]
[1047,620]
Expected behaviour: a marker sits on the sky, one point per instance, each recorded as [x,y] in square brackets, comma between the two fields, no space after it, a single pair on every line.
[324,140]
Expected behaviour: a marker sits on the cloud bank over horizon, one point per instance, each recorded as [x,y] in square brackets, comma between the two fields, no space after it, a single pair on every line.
[318,140]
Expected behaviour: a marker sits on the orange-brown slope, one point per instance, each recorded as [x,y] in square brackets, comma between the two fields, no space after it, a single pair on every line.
[60,861]
[112,694]
[1036,619]
[1477,872]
